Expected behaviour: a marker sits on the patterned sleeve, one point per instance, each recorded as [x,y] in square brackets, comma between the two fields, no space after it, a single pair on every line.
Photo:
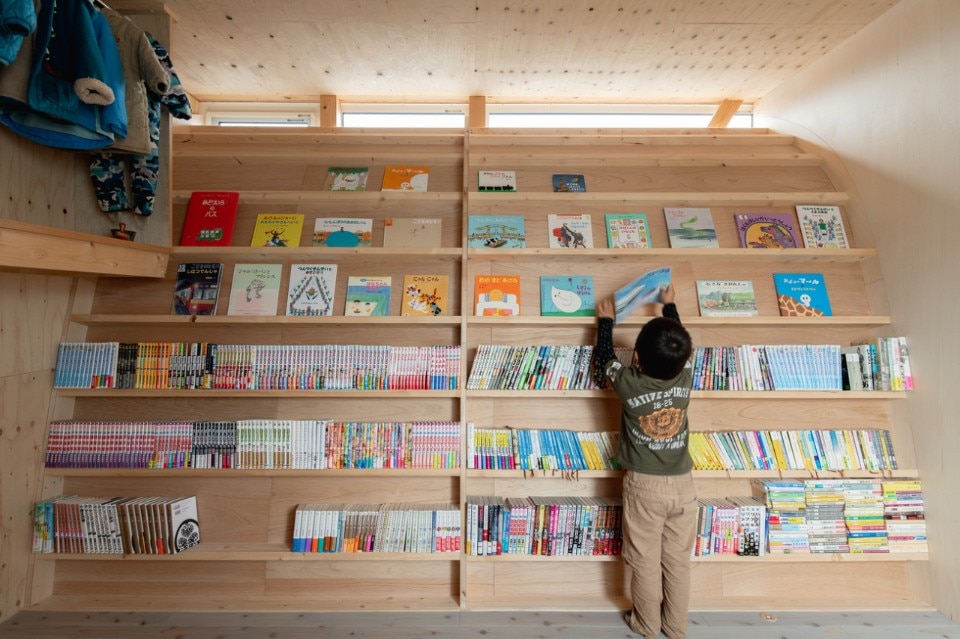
[670,312]
[603,352]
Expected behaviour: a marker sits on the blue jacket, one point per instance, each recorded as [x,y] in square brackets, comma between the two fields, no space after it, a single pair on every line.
[18,19]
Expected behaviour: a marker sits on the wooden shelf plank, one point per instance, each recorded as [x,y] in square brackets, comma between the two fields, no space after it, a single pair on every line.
[774,559]
[253,394]
[32,247]
[660,158]
[255,552]
[370,198]
[599,394]
[632,138]
[904,473]
[221,253]
[236,320]
[768,320]
[777,256]
[232,473]
[288,602]
[674,198]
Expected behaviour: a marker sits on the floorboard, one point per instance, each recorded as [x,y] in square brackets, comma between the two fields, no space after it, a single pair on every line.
[469,625]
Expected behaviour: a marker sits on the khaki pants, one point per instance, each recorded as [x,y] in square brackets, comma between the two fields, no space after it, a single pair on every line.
[659,529]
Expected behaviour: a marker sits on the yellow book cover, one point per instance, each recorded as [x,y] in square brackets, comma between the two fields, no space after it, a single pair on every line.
[405,178]
[277,229]
[425,295]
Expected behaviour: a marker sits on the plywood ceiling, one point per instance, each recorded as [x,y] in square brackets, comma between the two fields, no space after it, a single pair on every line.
[646,51]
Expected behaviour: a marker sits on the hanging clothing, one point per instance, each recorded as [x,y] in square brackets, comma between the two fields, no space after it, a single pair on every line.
[18,19]
[108,170]
[143,73]
[40,97]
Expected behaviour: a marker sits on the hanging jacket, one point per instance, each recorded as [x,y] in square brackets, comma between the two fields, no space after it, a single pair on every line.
[18,19]
[142,71]
[72,124]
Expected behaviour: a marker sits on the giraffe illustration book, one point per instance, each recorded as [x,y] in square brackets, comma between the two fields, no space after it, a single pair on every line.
[802,294]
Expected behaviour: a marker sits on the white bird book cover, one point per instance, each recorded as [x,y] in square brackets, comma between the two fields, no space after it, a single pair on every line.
[567,295]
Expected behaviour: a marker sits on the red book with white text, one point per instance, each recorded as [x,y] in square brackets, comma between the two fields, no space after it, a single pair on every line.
[210,218]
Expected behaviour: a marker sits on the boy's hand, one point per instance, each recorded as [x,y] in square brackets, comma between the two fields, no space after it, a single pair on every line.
[667,295]
[606,309]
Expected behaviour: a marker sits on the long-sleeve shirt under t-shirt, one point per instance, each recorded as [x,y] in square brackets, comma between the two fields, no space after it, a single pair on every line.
[654,431]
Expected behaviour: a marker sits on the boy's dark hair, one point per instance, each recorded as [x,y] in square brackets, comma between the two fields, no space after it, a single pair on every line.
[663,348]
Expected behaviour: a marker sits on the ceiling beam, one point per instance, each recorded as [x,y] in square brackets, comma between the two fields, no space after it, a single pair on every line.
[724,113]
[477,112]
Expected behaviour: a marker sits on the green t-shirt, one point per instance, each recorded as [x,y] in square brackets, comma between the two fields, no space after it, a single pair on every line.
[653,426]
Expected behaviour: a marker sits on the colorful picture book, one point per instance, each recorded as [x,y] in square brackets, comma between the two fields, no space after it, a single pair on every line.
[802,294]
[726,298]
[197,288]
[255,289]
[346,178]
[569,230]
[311,290]
[821,227]
[277,229]
[496,231]
[627,230]
[367,296]
[405,178]
[643,290]
[767,230]
[569,183]
[690,227]
[496,295]
[343,232]
[210,218]
[412,232]
[425,295]
[502,181]
[567,296]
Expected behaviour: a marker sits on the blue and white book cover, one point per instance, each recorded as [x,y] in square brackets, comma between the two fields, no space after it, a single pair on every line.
[567,295]
[643,290]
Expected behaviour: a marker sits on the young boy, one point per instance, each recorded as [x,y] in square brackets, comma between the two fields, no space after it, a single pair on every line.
[659,501]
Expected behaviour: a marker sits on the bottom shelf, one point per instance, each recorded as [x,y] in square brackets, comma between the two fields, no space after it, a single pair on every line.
[305,603]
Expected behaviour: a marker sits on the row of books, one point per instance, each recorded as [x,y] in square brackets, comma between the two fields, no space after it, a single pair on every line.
[798,295]
[311,291]
[730,526]
[548,367]
[540,449]
[813,226]
[883,365]
[844,515]
[116,525]
[253,444]
[353,528]
[211,216]
[195,365]
[818,449]
[551,526]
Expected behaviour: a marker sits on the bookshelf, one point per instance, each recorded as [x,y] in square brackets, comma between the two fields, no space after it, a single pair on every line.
[244,562]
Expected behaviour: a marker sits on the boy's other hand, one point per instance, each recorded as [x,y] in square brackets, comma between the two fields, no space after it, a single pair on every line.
[667,295]
[606,308]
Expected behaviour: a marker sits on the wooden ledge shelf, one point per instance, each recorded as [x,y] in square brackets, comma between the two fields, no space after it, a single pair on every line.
[370,198]
[332,600]
[672,198]
[792,558]
[574,475]
[768,320]
[676,157]
[776,256]
[231,473]
[35,248]
[225,253]
[255,552]
[237,320]
[712,394]
[253,394]
[633,138]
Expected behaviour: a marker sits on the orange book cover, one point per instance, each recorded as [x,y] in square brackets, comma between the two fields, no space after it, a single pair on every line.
[496,295]
[405,178]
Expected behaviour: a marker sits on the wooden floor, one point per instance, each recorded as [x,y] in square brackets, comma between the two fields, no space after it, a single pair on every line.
[463,625]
